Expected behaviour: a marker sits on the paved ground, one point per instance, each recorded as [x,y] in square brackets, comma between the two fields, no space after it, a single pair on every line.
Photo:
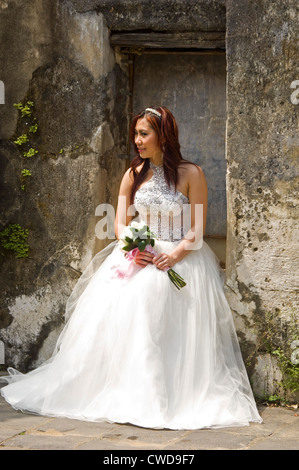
[18,431]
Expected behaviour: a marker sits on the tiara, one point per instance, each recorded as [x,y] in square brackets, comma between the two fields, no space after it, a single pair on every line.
[151,110]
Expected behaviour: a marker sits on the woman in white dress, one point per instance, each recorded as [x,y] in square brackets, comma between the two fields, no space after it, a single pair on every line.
[135,349]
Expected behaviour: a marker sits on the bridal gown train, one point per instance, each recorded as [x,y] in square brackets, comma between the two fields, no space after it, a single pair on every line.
[137,350]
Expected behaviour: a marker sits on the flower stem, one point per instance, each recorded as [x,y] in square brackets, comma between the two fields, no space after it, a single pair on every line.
[176,279]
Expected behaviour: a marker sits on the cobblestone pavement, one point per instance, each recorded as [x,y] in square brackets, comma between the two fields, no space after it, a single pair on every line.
[20,431]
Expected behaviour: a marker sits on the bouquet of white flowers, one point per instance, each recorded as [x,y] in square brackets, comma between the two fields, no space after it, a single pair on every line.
[138,237]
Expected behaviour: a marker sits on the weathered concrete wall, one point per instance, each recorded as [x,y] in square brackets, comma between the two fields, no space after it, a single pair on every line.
[157,15]
[57,54]
[262,178]
[26,43]
[62,62]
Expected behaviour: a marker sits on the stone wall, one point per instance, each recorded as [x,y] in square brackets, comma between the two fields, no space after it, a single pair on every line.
[62,62]
[262,179]
[57,54]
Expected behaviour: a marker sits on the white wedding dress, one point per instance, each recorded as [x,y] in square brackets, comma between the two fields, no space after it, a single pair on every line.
[138,350]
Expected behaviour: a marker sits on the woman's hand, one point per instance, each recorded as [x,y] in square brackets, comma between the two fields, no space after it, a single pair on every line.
[163,261]
[144,258]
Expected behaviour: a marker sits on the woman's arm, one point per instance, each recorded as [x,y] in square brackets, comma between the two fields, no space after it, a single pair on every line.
[198,199]
[123,216]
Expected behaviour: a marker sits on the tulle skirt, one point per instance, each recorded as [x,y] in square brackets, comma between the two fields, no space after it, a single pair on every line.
[138,350]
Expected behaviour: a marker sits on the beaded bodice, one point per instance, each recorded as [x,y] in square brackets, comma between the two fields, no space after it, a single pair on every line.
[164,209]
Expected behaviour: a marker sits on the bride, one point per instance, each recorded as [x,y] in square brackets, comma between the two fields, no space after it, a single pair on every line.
[135,348]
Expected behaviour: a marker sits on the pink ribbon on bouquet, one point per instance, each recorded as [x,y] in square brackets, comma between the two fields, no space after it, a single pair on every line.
[130,256]
[123,273]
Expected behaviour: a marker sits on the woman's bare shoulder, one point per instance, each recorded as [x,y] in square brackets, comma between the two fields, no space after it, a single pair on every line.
[130,172]
[191,170]
[128,177]
[127,181]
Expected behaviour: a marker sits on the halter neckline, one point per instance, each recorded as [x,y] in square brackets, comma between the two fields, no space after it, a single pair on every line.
[155,167]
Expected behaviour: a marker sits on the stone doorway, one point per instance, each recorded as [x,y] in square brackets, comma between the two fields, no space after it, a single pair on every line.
[192,84]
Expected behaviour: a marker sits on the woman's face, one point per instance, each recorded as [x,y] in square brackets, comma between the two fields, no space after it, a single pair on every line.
[146,140]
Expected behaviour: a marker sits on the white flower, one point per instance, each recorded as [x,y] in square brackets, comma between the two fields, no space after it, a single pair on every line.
[136,225]
[126,233]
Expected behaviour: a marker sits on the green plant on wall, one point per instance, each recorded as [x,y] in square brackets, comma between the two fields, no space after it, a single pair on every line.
[24,140]
[289,369]
[31,152]
[24,175]
[14,238]
[286,354]
[33,128]
[290,377]
[25,110]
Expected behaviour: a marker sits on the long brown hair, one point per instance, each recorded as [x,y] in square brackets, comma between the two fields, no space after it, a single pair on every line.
[168,139]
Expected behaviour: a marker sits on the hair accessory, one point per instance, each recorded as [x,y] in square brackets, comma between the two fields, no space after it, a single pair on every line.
[151,110]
